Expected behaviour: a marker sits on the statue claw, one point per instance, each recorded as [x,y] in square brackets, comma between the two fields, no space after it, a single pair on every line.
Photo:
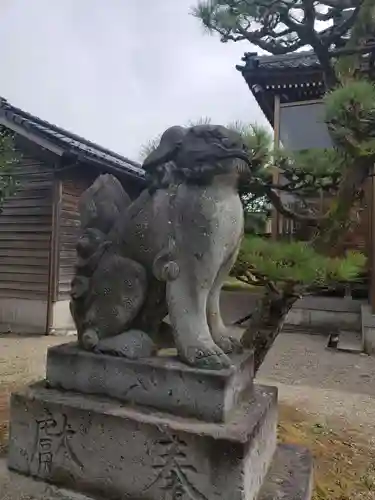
[229,345]
[208,358]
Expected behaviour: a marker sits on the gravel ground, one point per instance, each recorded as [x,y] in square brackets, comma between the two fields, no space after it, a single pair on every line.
[22,359]
[352,411]
[321,381]
[310,378]
[300,359]
[296,359]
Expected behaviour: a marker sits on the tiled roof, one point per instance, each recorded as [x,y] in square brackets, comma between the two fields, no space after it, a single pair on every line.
[296,60]
[301,60]
[68,141]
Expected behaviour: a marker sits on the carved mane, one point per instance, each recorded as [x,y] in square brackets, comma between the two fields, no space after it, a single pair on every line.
[195,155]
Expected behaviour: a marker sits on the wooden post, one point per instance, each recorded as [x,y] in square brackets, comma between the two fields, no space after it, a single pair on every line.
[371,246]
[276,218]
[53,271]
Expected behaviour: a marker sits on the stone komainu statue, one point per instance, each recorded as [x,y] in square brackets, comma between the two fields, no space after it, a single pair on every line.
[167,252]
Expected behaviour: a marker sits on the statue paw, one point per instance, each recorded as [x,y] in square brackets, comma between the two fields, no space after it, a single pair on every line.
[229,344]
[133,344]
[207,357]
[89,340]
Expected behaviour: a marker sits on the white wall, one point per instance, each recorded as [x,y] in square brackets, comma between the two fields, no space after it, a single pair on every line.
[23,316]
[62,321]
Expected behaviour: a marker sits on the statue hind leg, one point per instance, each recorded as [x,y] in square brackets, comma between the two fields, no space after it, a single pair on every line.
[116,293]
[224,336]
[108,290]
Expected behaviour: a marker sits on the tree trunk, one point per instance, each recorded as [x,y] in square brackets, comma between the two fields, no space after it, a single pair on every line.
[266,322]
[330,78]
[333,231]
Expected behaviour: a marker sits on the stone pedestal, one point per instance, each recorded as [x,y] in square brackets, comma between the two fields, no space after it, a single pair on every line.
[161,382]
[225,447]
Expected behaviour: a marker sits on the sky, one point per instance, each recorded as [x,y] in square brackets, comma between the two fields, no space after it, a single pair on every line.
[119,72]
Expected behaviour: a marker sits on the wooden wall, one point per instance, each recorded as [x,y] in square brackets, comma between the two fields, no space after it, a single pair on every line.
[25,232]
[72,186]
[69,231]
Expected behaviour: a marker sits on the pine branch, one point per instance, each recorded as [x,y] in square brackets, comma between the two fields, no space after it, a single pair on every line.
[291,214]
[332,34]
[281,31]
[341,4]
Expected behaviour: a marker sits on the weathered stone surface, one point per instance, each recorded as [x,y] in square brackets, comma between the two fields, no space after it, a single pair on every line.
[18,487]
[137,345]
[290,475]
[167,252]
[160,382]
[102,448]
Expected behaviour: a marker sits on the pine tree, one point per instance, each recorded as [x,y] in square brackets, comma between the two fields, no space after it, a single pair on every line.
[287,270]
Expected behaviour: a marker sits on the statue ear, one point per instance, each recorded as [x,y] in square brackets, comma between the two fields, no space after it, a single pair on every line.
[169,144]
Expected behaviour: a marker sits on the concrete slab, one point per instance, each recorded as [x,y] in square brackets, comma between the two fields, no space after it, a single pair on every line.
[290,475]
[102,448]
[325,313]
[350,341]
[163,383]
[368,329]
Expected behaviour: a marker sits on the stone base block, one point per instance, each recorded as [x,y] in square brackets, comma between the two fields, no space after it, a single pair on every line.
[18,487]
[160,382]
[102,448]
[289,477]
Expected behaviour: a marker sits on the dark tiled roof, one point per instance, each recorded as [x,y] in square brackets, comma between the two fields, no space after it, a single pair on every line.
[301,60]
[68,141]
[296,60]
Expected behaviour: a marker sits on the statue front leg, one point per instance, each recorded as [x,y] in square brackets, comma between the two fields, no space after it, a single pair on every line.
[207,224]
[187,313]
